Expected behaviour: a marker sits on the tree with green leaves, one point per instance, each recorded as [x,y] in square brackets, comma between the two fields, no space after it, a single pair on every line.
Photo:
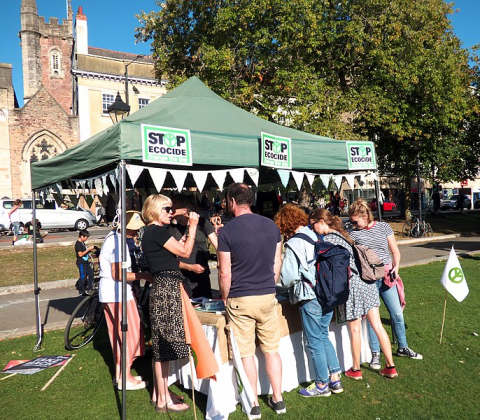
[390,71]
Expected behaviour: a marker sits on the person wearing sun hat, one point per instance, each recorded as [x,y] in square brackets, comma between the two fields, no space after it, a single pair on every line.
[110,294]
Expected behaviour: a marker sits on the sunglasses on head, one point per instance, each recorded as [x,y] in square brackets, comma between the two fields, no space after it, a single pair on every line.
[168,209]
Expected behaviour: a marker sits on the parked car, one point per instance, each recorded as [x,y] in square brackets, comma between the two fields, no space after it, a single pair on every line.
[50,215]
[452,203]
[387,205]
[476,205]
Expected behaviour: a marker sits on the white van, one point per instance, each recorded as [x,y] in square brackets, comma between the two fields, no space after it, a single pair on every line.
[50,215]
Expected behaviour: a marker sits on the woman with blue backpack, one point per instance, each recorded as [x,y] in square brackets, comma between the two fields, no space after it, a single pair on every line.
[363,300]
[299,275]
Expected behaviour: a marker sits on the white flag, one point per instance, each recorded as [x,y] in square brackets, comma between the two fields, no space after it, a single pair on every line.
[453,278]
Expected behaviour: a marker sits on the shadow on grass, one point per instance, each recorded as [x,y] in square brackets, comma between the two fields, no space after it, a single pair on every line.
[447,245]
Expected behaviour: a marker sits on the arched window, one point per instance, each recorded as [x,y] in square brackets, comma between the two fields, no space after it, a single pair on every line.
[55,59]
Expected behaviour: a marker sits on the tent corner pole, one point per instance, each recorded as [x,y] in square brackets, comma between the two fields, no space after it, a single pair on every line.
[123,233]
[36,289]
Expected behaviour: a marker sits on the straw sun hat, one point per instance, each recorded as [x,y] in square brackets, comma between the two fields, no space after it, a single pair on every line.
[134,220]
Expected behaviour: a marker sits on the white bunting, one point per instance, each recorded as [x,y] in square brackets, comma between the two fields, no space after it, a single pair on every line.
[253,174]
[105,186]
[284,176]
[310,178]
[350,180]
[326,180]
[179,178]
[158,177]
[338,181]
[200,178]
[113,180]
[237,174]
[219,177]
[134,172]
[298,177]
[98,186]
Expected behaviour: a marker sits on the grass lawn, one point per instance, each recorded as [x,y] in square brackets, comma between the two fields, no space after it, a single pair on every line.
[54,263]
[445,385]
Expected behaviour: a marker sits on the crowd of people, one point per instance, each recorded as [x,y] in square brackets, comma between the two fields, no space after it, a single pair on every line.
[249,252]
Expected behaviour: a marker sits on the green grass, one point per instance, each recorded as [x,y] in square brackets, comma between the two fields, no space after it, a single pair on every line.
[54,263]
[445,385]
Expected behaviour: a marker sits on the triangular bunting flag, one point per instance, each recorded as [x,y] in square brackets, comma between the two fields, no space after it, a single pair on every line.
[310,178]
[338,181]
[98,186]
[237,174]
[158,177]
[105,186]
[253,174]
[113,180]
[200,178]
[219,177]
[326,180]
[179,178]
[298,177]
[351,181]
[134,172]
[284,176]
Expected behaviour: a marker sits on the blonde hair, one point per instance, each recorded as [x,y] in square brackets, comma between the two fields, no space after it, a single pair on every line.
[152,208]
[360,208]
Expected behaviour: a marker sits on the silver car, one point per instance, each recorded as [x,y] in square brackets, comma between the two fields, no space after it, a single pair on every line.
[452,203]
[50,215]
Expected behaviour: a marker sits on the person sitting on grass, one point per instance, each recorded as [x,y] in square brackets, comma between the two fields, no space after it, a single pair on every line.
[84,268]
[40,235]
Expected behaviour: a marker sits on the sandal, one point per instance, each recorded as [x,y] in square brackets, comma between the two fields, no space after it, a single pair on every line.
[168,407]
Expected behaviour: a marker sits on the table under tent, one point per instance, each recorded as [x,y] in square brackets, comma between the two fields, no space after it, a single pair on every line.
[192,137]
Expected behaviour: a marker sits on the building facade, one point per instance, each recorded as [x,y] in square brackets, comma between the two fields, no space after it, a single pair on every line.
[68,86]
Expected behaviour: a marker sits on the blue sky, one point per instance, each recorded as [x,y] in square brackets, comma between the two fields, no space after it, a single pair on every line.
[111,25]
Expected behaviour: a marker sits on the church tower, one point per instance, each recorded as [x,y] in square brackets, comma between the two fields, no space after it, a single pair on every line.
[30,40]
[47,54]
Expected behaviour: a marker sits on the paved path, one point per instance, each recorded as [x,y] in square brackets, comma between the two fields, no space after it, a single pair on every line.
[58,299]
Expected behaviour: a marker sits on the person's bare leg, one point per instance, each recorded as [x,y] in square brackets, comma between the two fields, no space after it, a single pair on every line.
[154,392]
[251,372]
[355,339]
[373,317]
[162,392]
[274,373]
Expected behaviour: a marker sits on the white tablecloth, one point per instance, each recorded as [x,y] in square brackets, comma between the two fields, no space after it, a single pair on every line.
[223,394]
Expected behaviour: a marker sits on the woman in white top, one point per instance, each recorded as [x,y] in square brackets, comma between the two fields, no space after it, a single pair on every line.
[14,216]
[110,294]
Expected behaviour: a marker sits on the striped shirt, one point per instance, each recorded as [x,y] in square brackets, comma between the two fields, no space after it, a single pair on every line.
[375,237]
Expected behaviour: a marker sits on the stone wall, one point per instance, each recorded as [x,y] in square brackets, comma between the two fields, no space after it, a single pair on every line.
[39,130]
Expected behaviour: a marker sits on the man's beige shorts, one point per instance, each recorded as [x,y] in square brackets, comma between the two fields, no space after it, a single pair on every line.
[251,314]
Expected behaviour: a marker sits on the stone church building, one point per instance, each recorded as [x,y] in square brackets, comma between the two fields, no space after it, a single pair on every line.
[68,87]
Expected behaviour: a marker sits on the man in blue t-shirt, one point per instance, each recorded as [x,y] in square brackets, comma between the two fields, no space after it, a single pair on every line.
[250,261]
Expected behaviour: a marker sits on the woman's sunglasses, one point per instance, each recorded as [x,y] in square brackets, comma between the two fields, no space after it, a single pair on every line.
[168,209]
[354,223]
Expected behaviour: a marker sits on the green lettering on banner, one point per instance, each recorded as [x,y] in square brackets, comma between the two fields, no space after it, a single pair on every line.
[167,145]
[361,155]
[275,151]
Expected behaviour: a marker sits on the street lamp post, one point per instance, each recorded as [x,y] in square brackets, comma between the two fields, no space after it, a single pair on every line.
[126,76]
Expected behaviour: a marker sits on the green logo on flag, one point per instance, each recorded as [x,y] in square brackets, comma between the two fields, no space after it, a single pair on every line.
[275,151]
[277,146]
[455,275]
[170,140]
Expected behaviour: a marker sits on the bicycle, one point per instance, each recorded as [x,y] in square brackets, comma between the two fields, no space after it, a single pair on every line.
[90,312]
[416,228]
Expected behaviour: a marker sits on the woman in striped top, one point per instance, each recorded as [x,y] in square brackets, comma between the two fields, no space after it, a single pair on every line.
[379,236]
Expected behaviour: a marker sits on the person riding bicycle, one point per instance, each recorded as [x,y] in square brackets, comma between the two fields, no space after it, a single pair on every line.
[110,295]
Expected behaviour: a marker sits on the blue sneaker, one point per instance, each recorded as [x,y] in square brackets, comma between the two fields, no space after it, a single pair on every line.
[315,391]
[336,386]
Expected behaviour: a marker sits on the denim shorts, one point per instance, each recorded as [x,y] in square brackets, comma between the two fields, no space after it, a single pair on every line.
[16,228]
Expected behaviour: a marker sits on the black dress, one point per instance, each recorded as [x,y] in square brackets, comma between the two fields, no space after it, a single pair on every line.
[168,333]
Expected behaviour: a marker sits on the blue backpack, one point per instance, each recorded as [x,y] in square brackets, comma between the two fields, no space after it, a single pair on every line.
[333,272]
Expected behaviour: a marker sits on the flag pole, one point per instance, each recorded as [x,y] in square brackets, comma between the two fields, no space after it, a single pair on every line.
[443,320]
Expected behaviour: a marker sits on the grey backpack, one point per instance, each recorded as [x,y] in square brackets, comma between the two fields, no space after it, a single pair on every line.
[369,264]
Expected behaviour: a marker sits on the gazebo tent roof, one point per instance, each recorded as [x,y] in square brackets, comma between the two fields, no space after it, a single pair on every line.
[222,135]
